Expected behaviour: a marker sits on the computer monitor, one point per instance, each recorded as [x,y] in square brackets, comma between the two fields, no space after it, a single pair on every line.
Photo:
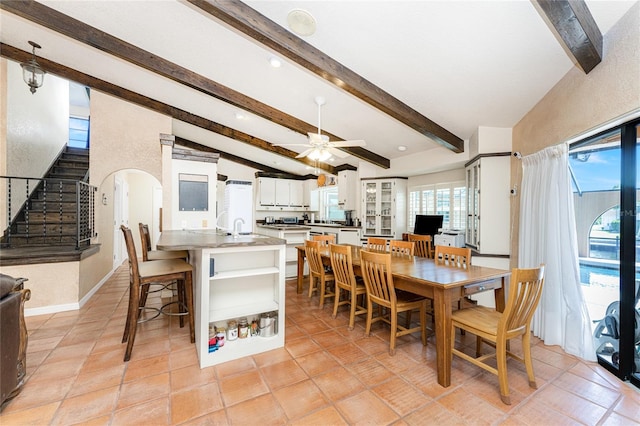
[428,224]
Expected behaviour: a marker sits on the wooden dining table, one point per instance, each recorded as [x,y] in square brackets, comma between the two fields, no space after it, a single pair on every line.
[443,284]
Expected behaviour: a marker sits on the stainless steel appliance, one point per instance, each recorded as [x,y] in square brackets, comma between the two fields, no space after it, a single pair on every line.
[269,220]
[290,220]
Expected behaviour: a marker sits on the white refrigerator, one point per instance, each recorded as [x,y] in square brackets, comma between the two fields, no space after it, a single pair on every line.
[238,204]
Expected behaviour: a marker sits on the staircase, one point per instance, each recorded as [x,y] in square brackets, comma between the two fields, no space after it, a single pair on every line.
[50,215]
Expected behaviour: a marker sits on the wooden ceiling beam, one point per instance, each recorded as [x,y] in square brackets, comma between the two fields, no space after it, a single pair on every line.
[573,23]
[227,156]
[77,30]
[248,21]
[18,55]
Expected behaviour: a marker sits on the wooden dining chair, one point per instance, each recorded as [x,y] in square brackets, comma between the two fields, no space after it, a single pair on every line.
[317,272]
[148,254]
[457,257]
[498,328]
[376,271]
[406,248]
[345,279]
[141,275]
[325,240]
[374,243]
[424,245]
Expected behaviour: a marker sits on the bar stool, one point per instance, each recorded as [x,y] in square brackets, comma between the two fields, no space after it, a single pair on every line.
[143,274]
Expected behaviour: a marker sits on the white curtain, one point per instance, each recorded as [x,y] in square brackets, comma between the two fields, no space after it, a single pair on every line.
[548,235]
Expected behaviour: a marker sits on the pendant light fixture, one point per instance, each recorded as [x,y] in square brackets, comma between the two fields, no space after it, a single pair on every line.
[32,73]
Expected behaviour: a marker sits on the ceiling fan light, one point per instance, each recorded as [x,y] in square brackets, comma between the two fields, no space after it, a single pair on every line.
[319,155]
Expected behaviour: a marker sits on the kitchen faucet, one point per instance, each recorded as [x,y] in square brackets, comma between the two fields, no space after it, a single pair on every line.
[235,226]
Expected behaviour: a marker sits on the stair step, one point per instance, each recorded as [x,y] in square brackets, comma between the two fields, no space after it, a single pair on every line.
[55,196]
[18,240]
[53,185]
[67,172]
[69,216]
[52,206]
[50,227]
[73,163]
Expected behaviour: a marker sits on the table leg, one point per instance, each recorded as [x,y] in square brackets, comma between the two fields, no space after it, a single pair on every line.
[300,270]
[499,295]
[442,319]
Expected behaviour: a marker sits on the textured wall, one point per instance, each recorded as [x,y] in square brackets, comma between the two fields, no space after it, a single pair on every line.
[579,102]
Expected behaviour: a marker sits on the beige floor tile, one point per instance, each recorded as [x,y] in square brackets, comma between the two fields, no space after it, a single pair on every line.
[86,406]
[300,347]
[191,376]
[283,374]
[370,371]
[300,399]
[137,369]
[326,416]
[263,410]
[347,353]
[241,387]
[195,402]
[155,412]
[338,383]
[40,415]
[97,379]
[401,396]
[473,409]
[366,408]
[317,363]
[144,390]
[435,414]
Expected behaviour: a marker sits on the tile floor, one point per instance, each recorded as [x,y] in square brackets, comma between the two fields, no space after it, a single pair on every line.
[325,375]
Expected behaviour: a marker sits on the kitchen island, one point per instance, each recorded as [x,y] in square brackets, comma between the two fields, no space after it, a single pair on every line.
[294,235]
[234,278]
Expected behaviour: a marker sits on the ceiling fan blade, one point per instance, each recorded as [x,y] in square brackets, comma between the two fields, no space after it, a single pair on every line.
[305,153]
[337,153]
[341,144]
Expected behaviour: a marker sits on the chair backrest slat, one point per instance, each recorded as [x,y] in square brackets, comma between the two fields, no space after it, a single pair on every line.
[325,240]
[423,244]
[134,272]
[342,265]
[457,257]
[312,252]
[376,272]
[145,238]
[374,243]
[525,290]
[402,247]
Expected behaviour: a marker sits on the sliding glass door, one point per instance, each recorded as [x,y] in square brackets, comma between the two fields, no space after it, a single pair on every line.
[606,181]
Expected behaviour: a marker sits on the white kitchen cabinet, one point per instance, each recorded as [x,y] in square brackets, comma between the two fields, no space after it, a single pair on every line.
[266,191]
[296,189]
[234,289]
[308,186]
[384,207]
[488,204]
[282,192]
[347,190]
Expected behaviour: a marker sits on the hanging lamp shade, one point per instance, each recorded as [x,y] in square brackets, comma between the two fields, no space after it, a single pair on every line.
[32,73]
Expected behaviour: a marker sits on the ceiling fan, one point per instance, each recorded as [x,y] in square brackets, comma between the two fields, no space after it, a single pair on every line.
[319,148]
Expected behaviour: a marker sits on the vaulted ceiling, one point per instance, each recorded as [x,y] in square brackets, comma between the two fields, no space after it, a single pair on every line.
[423,75]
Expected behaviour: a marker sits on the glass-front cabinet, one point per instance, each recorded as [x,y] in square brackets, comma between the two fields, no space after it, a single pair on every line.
[384,206]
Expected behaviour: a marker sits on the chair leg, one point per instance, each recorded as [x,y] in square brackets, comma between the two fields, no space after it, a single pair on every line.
[501,363]
[181,302]
[367,329]
[188,284]
[423,322]
[353,304]
[311,282]
[336,301]
[132,325]
[528,362]
[133,307]
[394,330]
[321,290]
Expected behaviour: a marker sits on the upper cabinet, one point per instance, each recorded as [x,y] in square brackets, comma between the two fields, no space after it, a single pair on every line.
[347,190]
[488,204]
[384,207]
[281,194]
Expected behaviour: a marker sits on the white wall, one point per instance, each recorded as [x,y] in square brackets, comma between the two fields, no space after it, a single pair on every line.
[37,128]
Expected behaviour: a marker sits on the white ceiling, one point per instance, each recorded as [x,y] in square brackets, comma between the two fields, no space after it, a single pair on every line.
[462,64]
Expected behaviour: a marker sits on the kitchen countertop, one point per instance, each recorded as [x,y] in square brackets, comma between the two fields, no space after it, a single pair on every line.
[191,239]
[333,225]
[286,227]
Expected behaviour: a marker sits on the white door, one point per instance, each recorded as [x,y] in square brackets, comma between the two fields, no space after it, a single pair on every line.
[118,240]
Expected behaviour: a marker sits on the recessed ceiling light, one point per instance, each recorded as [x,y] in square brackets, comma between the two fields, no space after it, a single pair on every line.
[301,22]
[402,148]
[275,62]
